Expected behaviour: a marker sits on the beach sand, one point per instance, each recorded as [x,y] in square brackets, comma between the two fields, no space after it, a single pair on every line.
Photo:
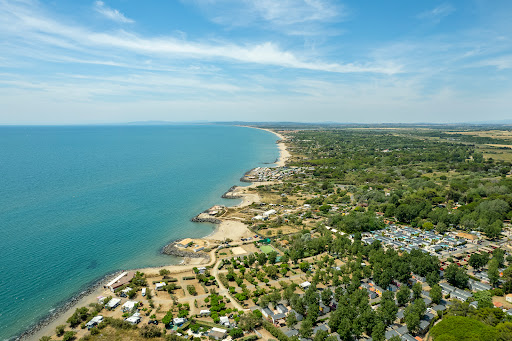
[49,329]
[284,154]
[231,229]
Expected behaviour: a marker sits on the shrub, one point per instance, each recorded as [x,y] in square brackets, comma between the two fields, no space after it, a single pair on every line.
[167,318]
[132,293]
[164,272]
[150,331]
[192,290]
[59,330]
[118,323]
[68,336]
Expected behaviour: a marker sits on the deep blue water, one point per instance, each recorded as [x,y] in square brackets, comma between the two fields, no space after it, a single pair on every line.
[77,203]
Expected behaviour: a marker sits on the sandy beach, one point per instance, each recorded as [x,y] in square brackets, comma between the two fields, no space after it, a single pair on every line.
[61,318]
[227,229]
[230,229]
[284,154]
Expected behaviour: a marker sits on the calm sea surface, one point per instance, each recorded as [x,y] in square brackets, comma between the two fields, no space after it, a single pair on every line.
[77,203]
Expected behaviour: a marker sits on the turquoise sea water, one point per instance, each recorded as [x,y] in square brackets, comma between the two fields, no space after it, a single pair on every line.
[77,203]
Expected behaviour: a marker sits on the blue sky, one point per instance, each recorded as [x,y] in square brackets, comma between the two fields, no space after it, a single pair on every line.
[65,62]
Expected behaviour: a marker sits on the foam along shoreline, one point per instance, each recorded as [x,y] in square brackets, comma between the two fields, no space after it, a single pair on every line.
[227,229]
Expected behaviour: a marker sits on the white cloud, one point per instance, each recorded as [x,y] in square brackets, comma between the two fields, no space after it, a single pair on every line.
[292,17]
[501,63]
[110,13]
[437,13]
[35,28]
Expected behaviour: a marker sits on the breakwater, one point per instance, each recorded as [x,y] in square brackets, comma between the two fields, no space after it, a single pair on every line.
[244,177]
[230,194]
[172,250]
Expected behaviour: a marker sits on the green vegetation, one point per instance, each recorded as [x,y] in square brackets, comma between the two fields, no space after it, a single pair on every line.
[460,328]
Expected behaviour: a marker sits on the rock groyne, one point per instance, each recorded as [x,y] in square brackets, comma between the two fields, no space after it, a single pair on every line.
[205,218]
[172,250]
[244,177]
[230,194]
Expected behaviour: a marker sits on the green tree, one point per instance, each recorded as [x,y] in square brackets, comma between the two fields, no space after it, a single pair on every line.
[132,293]
[428,225]
[271,271]
[249,321]
[306,329]
[478,260]
[291,320]
[164,272]
[321,335]
[378,333]
[304,266]
[403,295]
[493,231]
[272,256]
[387,309]
[416,290]
[436,294]
[499,255]
[326,296]
[59,330]
[504,331]
[235,333]
[493,272]
[413,314]
[262,258]
[456,276]
[507,279]
[166,320]
[484,299]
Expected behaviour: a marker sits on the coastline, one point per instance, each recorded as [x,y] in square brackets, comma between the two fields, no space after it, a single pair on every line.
[284,154]
[226,229]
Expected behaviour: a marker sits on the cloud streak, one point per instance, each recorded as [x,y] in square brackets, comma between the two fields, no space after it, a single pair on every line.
[437,13]
[291,17]
[110,13]
[52,33]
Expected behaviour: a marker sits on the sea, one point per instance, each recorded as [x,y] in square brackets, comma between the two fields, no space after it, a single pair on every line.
[80,202]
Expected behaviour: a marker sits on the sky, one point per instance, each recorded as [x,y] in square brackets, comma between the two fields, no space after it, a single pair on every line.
[116,61]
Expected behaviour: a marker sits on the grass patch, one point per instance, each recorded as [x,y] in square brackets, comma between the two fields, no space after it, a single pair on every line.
[266,249]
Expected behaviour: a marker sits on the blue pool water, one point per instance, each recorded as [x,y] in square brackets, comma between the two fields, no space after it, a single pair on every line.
[77,203]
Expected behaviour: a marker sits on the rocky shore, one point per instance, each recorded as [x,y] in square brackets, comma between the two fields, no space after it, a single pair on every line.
[172,250]
[65,306]
[244,177]
[205,218]
[230,194]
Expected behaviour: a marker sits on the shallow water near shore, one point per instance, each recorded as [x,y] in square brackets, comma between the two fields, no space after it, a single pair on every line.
[77,203]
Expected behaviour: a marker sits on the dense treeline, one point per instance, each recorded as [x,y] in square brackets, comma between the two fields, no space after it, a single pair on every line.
[407,176]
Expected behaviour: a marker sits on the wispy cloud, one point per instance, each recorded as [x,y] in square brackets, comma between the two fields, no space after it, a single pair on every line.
[293,17]
[37,29]
[501,62]
[437,13]
[111,13]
